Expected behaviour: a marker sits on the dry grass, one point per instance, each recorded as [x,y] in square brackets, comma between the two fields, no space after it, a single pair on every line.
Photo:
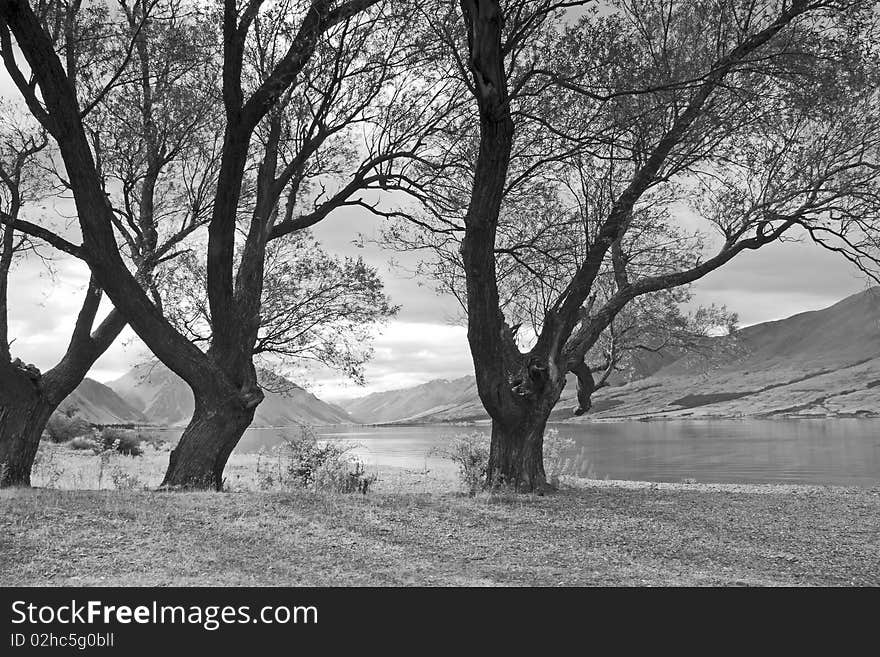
[60,467]
[601,534]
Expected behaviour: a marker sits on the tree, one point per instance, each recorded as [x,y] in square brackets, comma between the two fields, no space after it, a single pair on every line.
[315,308]
[28,397]
[649,327]
[153,149]
[592,135]
[305,56]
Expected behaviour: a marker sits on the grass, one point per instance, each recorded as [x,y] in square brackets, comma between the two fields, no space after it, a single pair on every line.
[600,533]
[66,468]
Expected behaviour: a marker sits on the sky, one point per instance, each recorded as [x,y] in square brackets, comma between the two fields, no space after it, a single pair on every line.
[422,343]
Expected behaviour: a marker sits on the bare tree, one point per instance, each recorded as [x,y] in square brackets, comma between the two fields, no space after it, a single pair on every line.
[592,134]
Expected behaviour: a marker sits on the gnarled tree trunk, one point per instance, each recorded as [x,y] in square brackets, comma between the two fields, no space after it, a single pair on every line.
[28,398]
[516,455]
[24,412]
[217,425]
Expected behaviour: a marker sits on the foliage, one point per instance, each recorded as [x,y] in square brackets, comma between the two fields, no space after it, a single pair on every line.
[471,453]
[150,438]
[123,441]
[126,480]
[558,456]
[83,442]
[302,462]
[315,307]
[47,467]
[62,428]
[655,324]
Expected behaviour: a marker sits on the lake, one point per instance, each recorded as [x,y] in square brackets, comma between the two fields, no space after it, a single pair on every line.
[837,452]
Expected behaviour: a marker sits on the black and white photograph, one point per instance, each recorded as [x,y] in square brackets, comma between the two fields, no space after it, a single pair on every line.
[435,293]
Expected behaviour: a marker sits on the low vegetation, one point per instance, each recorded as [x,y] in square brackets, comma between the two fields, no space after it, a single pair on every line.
[284,520]
[302,462]
[78,434]
[471,453]
[597,534]
[62,427]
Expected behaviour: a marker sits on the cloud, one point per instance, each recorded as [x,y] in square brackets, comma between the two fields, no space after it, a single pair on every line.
[780,280]
[405,354]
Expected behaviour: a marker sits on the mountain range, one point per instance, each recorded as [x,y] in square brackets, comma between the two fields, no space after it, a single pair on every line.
[152,394]
[100,404]
[823,363]
[815,364]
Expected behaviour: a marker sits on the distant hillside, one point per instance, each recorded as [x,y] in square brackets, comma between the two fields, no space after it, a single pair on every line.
[819,363]
[410,403]
[165,399]
[815,364]
[99,404]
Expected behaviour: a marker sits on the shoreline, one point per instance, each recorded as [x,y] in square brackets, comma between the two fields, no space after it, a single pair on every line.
[567,422]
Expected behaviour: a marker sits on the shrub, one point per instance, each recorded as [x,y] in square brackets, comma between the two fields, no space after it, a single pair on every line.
[151,438]
[558,453]
[62,428]
[83,442]
[471,453]
[125,480]
[343,475]
[45,467]
[121,440]
[303,462]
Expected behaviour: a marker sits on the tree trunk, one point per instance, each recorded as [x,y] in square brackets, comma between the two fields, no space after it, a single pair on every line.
[516,456]
[24,412]
[201,454]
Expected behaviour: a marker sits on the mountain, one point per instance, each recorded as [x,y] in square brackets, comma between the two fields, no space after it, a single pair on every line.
[814,364]
[99,404]
[165,399]
[408,404]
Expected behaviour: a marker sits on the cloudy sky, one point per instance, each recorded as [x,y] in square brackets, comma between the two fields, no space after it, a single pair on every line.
[421,343]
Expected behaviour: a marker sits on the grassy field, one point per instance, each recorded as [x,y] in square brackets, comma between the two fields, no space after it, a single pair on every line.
[599,533]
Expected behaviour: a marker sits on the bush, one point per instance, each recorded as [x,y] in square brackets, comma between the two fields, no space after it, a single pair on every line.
[126,481]
[83,442]
[303,462]
[62,428]
[122,440]
[558,456]
[343,475]
[151,438]
[471,453]
[46,468]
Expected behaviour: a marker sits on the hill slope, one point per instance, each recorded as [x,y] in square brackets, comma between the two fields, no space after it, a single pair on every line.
[404,404]
[99,404]
[818,363]
[165,399]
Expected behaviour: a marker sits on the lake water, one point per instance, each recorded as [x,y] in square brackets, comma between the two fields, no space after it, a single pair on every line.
[838,452]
